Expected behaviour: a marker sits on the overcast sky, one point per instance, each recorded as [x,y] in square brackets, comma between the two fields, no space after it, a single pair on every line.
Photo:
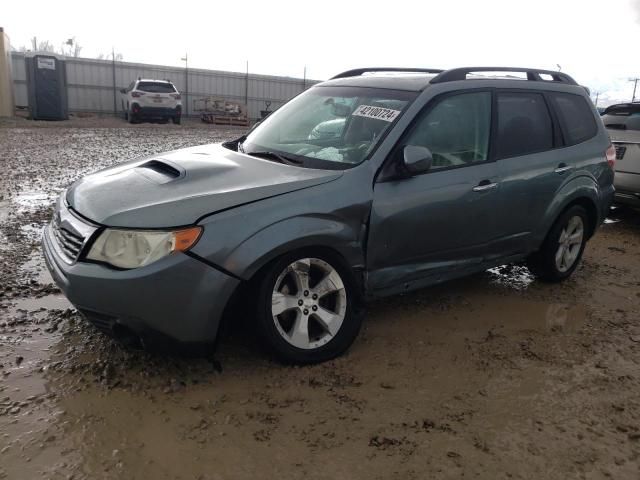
[596,41]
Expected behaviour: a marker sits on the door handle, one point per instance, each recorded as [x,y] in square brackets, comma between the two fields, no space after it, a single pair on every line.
[563,167]
[485,185]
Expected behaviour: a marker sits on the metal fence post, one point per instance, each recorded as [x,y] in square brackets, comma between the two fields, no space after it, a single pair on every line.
[113,70]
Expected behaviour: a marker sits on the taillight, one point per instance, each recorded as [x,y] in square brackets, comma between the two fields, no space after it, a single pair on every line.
[611,156]
[136,94]
[176,96]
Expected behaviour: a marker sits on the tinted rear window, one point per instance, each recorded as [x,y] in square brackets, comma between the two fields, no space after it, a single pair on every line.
[576,117]
[524,124]
[156,87]
[622,117]
[623,110]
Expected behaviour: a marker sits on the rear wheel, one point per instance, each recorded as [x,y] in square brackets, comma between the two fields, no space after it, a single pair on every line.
[562,249]
[308,308]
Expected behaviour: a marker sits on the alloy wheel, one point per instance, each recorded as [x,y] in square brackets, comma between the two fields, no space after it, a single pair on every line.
[569,243]
[308,303]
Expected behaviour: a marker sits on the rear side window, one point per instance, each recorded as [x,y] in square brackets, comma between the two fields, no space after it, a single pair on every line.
[156,87]
[576,117]
[524,124]
[456,130]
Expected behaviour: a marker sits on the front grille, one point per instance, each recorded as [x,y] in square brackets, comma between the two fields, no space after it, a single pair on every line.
[70,243]
[620,150]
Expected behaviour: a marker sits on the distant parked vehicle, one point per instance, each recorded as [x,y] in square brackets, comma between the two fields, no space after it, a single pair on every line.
[623,123]
[148,99]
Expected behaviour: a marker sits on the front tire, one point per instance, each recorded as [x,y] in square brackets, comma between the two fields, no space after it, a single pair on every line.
[562,250]
[308,308]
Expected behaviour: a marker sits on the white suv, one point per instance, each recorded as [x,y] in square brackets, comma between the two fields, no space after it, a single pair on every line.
[151,99]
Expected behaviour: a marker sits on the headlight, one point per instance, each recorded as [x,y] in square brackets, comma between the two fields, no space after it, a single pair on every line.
[136,248]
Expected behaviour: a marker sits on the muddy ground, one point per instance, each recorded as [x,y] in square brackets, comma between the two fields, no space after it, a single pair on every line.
[494,376]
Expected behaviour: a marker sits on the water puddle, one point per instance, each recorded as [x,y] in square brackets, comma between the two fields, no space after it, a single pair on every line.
[518,314]
[31,232]
[36,269]
[517,277]
[32,200]
[38,306]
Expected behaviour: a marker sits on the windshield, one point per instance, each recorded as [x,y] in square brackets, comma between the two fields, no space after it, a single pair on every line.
[329,127]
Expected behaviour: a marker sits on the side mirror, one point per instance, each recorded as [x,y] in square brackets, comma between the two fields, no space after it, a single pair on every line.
[416,160]
[123,90]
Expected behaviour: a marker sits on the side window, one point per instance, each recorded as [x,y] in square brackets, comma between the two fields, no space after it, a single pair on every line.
[576,117]
[456,130]
[524,124]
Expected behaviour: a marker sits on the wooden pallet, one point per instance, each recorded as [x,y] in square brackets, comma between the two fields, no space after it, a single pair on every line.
[224,120]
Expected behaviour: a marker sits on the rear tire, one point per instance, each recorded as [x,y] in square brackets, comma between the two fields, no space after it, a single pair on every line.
[308,307]
[131,118]
[562,250]
[176,120]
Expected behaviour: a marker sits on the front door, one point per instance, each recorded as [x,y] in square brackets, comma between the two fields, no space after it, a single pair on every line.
[425,227]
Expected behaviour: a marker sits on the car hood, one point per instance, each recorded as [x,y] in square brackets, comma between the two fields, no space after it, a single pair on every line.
[178,188]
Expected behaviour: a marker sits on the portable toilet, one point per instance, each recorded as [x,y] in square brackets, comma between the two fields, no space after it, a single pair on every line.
[6,79]
[47,87]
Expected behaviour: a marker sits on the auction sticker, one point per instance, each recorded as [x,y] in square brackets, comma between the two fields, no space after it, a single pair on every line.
[379,113]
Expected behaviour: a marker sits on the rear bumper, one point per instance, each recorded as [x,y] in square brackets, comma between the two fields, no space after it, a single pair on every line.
[176,299]
[627,188]
[157,112]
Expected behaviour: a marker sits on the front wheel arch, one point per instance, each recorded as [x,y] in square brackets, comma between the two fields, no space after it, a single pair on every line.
[310,250]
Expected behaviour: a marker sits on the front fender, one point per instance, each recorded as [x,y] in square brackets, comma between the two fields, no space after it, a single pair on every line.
[293,234]
[332,215]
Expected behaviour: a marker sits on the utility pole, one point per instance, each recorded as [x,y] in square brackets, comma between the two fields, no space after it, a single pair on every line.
[635,85]
[304,79]
[113,72]
[246,87]
[185,59]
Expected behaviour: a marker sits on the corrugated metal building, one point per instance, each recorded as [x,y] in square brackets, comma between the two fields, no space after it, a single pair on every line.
[93,85]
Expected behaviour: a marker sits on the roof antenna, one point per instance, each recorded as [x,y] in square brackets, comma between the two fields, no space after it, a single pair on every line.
[559,67]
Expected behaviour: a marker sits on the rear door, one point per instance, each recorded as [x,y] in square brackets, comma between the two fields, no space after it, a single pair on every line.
[529,163]
[426,227]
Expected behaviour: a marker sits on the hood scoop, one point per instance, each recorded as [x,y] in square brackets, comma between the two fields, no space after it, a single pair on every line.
[159,171]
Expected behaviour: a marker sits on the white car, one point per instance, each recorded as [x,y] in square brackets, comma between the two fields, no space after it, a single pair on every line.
[151,99]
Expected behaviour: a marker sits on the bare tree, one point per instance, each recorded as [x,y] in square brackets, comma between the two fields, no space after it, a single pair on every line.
[117,57]
[71,48]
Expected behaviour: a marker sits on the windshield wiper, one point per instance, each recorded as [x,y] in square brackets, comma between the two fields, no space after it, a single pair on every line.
[277,157]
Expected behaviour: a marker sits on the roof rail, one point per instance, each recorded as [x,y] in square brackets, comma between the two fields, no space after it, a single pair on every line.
[533,74]
[356,72]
